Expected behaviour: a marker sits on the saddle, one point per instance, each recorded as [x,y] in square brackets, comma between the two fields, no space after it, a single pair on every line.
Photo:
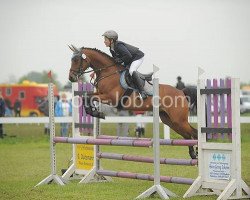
[128,85]
[143,79]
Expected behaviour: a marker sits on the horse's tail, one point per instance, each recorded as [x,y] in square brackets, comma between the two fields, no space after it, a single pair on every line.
[191,95]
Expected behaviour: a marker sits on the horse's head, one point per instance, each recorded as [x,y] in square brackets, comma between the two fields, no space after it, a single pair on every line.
[79,63]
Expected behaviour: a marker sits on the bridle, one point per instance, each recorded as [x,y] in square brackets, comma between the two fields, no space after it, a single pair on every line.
[78,73]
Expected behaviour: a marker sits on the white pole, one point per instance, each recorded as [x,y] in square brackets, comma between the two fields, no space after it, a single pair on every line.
[53,176]
[163,192]
[166,130]
[52,129]
[156,131]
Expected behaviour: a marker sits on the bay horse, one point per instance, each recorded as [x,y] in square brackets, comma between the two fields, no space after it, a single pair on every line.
[173,108]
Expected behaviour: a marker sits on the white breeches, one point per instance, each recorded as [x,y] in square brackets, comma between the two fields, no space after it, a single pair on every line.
[135,65]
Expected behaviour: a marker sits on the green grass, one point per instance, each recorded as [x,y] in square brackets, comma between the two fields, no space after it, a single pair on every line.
[247,114]
[25,162]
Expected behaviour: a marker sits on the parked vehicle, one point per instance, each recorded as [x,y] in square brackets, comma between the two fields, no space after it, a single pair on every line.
[30,94]
[245,90]
[245,103]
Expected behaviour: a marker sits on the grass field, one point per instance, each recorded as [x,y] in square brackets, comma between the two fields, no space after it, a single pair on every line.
[24,161]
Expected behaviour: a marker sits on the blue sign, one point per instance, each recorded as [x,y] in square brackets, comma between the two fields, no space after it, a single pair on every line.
[219,166]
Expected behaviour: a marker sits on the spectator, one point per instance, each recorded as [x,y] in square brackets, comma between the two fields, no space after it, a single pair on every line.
[122,129]
[63,109]
[180,85]
[44,108]
[8,108]
[140,126]
[2,113]
[17,108]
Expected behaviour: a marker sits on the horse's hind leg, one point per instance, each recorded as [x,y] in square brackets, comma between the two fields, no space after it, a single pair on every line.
[184,129]
[165,119]
[195,137]
[190,133]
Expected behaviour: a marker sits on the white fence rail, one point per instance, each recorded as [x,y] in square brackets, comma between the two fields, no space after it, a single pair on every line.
[33,120]
[115,119]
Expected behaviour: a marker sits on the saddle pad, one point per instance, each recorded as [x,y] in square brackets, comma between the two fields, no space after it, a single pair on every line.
[148,88]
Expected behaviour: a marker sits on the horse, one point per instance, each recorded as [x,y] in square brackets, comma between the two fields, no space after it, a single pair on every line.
[173,107]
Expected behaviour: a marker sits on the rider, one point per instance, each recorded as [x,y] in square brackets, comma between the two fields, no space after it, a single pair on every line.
[127,55]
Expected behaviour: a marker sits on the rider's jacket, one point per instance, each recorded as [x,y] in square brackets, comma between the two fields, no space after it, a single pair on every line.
[126,52]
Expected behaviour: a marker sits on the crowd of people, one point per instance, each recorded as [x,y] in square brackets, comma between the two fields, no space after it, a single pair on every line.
[7,110]
[10,110]
[63,107]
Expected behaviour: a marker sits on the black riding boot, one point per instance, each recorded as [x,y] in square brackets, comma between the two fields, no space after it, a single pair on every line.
[136,80]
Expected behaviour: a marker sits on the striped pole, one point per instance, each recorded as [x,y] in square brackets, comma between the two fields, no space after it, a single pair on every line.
[112,142]
[124,142]
[148,177]
[173,142]
[169,161]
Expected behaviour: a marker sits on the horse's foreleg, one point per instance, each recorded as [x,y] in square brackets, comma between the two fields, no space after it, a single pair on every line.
[90,107]
[101,98]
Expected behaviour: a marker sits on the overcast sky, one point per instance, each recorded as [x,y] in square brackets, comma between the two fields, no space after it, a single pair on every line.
[177,36]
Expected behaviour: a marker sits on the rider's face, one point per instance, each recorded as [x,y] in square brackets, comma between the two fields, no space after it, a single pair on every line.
[107,42]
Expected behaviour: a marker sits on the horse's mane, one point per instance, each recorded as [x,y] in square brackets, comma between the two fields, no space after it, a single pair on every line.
[101,52]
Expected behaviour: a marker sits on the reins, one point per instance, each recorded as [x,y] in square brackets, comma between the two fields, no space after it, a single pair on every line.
[97,80]
[97,70]
[103,77]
